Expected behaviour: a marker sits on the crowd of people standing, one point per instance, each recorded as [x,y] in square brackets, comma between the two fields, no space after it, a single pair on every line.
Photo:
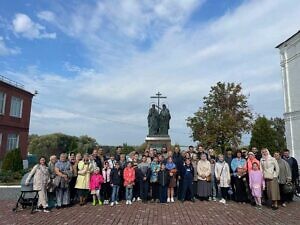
[165,176]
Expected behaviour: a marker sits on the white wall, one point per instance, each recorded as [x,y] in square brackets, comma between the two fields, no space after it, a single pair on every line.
[290,63]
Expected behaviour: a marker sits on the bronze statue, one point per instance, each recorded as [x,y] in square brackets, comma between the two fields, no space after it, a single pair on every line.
[153,121]
[164,120]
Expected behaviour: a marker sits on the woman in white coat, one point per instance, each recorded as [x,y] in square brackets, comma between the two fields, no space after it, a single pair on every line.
[41,178]
[222,174]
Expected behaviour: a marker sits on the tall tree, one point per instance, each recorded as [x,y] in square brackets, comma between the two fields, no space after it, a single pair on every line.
[278,125]
[268,133]
[224,117]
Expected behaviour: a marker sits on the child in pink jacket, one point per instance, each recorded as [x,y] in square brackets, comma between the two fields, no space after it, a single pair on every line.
[256,183]
[95,185]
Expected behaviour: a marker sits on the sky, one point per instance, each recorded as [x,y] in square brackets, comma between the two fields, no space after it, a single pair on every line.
[95,64]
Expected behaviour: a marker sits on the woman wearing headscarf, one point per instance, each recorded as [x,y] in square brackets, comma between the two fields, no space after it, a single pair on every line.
[204,177]
[270,169]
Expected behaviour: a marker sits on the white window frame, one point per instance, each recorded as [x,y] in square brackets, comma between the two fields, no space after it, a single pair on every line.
[11,107]
[1,139]
[3,104]
[9,146]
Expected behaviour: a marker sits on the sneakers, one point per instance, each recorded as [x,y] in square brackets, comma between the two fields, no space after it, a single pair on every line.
[172,200]
[112,204]
[46,210]
[259,207]
[223,201]
[133,199]
[116,203]
[129,202]
[94,202]
[106,202]
[210,198]
[168,200]
[214,199]
[138,199]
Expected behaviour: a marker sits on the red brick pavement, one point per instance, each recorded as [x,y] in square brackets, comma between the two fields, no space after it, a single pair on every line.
[154,214]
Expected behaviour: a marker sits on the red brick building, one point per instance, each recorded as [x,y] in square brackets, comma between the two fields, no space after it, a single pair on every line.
[15,108]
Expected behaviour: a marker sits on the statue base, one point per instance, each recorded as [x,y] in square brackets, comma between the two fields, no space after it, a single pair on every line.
[158,142]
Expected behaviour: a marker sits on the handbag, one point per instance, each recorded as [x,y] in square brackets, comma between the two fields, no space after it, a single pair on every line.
[218,181]
[208,178]
[56,181]
[288,188]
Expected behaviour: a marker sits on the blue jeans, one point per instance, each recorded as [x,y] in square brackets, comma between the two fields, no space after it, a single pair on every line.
[62,196]
[129,193]
[115,193]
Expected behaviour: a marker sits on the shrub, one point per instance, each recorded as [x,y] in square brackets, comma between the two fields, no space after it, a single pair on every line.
[12,161]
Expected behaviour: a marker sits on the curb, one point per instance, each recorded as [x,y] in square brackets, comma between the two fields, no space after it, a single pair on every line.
[10,186]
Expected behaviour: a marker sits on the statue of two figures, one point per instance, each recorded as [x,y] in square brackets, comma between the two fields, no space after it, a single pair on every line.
[159,122]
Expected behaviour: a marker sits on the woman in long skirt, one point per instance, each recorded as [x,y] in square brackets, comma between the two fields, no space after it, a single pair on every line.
[204,178]
[270,169]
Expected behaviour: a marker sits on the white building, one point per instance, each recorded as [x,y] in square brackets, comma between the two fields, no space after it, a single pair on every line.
[290,66]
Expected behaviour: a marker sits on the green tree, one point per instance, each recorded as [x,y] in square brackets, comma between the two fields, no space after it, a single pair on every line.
[224,117]
[54,144]
[85,144]
[268,133]
[13,161]
[263,135]
[278,125]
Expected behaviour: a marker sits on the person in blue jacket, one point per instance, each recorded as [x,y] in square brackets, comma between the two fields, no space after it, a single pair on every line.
[187,174]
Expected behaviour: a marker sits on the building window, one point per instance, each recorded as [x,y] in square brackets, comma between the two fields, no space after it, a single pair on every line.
[16,107]
[2,102]
[0,140]
[12,141]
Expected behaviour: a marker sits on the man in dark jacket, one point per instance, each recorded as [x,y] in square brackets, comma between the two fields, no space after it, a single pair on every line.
[187,175]
[144,177]
[116,182]
[163,180]
[294,169]
[178,160]
[97,159]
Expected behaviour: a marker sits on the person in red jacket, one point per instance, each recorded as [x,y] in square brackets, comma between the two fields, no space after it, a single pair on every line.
[129,177]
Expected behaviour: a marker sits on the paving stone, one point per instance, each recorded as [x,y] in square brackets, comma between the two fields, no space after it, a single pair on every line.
[203,213]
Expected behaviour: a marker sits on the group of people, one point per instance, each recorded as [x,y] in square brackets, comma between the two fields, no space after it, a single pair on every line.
[164,176]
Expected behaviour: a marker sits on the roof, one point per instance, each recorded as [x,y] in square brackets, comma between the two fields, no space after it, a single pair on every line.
[278,46]
[14,84]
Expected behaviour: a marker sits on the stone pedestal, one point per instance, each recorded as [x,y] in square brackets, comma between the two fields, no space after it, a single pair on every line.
[158,142]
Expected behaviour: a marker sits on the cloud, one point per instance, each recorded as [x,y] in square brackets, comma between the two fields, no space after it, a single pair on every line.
[46,15]
[23,25]
[181,60]
[4,50]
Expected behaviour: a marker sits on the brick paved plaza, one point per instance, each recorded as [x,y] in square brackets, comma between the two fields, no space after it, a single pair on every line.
[152,214]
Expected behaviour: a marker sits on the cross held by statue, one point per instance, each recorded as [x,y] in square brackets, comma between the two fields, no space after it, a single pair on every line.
[159,96]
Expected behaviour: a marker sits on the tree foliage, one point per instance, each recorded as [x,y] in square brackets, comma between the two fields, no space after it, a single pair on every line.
[268,133]
[13,161]
[54,144]
[224,117]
